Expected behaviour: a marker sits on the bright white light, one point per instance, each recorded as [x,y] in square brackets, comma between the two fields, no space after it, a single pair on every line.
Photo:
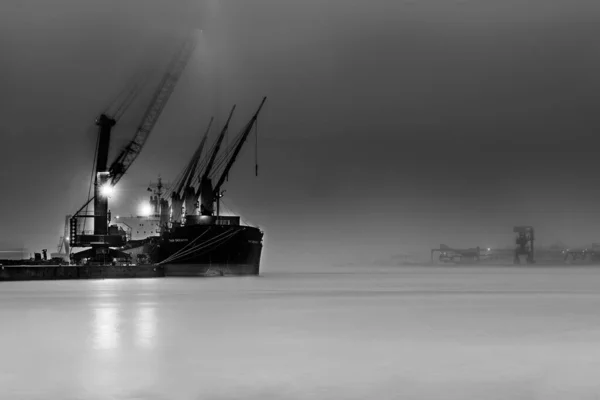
[488,247]
[145,209]
[106,190]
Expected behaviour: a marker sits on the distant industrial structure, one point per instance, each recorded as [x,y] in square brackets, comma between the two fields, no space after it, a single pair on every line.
[524,252]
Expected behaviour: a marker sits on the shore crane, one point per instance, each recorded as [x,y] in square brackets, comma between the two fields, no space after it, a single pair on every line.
[105,177]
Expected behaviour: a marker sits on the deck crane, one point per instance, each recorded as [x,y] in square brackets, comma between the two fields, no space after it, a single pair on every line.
[185,188]
[205,182]
[181,187]
[193,165]
[106,177]
[214,194]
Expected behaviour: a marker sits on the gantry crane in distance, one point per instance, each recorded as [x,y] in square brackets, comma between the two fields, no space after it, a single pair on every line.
[524,244]
[106,177]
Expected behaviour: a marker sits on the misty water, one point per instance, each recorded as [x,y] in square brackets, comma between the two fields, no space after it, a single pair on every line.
[408,332]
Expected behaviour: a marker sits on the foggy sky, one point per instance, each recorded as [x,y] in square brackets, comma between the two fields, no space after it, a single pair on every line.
[391,126]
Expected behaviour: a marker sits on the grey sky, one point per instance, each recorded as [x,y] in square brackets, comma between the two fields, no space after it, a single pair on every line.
[390,125]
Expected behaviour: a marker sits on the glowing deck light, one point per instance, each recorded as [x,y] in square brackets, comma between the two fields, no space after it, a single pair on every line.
[106,190]
[145,210]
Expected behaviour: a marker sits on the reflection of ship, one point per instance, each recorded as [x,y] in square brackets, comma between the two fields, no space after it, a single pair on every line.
[195,239]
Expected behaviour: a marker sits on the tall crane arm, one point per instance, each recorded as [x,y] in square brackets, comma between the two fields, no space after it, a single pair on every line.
[199,154]
[217,145]
[190,169]
[159,100]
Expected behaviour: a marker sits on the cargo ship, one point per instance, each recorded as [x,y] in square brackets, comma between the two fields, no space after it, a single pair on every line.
[210,249]
[188,235]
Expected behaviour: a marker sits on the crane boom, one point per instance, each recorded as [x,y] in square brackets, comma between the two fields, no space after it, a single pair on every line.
[218,145]
[197,160]
[237,149]
[159,100]
[131,95]
[190,169]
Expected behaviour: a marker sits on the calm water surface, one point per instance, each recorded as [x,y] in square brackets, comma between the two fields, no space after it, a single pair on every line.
[405,333]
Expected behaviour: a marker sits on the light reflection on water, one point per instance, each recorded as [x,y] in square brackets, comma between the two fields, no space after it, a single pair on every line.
[111,331]
[145,326]
[106,327]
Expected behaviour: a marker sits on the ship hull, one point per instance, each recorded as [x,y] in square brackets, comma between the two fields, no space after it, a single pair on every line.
[210,250]
[208,270]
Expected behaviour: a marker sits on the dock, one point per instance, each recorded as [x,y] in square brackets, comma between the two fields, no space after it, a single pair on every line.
[64,272]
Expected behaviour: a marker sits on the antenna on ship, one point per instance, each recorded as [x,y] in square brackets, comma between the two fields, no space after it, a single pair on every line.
[158,187]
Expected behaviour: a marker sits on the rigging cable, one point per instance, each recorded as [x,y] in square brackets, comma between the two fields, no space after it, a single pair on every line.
[208,246]
[183,249]
[216,240]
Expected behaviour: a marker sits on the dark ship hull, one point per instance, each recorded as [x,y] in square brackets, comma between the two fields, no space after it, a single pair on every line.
[210,250]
